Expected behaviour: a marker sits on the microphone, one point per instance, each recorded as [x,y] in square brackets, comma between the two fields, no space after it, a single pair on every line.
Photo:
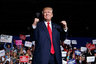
[37,15]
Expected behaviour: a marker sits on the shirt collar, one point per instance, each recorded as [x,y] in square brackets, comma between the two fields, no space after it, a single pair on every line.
[49,24]
[46,22]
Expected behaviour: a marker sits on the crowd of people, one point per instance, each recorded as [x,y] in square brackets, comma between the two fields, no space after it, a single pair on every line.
[13,53]
[80,57]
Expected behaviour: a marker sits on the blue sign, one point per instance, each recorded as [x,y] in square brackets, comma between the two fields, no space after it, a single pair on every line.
[77,52]
[72,61]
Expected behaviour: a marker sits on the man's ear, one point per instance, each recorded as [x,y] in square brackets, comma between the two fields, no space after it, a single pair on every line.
[52,14]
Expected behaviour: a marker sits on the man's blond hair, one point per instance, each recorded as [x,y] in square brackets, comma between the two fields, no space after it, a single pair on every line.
[47,8]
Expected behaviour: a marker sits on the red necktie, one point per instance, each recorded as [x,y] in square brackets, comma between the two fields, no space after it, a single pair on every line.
[52,51]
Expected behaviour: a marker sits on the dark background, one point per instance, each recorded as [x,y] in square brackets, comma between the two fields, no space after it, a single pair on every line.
[16,16]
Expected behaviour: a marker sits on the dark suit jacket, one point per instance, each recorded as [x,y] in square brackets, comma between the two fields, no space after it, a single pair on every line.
[43,43]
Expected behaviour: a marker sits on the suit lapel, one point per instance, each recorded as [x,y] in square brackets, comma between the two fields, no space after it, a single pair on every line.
[53,28]
[53,32]
[45,29]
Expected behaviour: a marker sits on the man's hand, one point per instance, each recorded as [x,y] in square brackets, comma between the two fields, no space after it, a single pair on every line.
[64,24]
[36,20]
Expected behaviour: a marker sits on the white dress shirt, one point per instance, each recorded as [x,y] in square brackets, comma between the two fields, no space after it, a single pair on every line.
[50,24]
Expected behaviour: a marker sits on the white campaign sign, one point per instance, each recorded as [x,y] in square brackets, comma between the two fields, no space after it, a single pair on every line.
[2,53]
[67,41]
[27,35]
[74,41]
[83,49]
[90,58]
[94,41]
[28,44]
[6,38]
[64,53]
[64,62]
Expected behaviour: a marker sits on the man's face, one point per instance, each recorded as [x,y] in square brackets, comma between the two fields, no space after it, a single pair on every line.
[47,13]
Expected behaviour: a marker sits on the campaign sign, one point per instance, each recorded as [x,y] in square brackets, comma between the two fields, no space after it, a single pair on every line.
[27,35]
[72,61]
[92,47]
[64,53]
[28,44]
[74,42]
[6,38]
[64,62]
[18,42]
[94,41]
[83,49]
[24,58]
[2,53]
[67,41]
[77,52]
[88,45]
[22,37]
[90,58]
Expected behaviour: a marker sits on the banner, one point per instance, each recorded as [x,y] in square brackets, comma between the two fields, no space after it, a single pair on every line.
[6,38]
[24,58]
[28,44]
[18,42]
[2,53]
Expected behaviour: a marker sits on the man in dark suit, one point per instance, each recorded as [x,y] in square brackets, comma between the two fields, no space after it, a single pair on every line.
[47,36]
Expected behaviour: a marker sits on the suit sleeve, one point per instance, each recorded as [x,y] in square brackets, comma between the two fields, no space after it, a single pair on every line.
[63,33]
[34,33]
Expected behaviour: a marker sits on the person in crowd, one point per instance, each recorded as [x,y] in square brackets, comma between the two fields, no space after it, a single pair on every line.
[8,47]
